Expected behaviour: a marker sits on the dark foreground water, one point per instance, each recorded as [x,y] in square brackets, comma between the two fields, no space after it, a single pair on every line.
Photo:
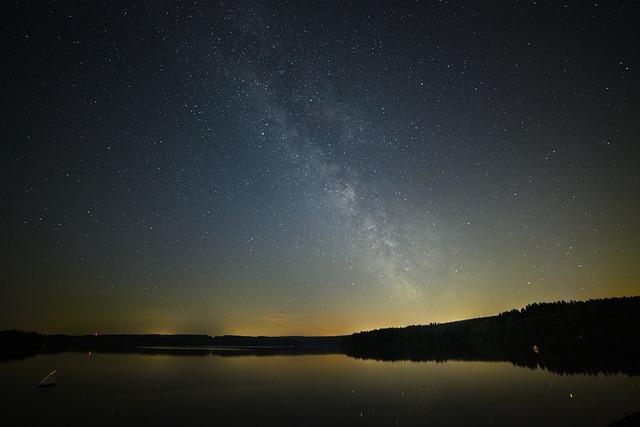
[318,390]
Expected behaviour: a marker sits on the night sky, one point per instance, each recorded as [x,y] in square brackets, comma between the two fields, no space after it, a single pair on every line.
[314,168]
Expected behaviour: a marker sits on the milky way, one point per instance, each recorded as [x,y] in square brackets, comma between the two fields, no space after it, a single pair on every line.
[258,168]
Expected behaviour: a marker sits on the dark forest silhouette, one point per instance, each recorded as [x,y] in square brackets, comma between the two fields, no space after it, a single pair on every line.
[565,337]
[595,336]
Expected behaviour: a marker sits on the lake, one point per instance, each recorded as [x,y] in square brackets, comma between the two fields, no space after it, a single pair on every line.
[314,390]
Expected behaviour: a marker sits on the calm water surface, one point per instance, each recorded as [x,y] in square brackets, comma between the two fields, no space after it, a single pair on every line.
[136,389]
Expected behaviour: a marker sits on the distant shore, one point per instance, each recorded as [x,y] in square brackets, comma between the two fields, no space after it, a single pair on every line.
[19,344]
[597,336]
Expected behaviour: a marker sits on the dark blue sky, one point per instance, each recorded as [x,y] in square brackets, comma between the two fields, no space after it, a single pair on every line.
[314,168]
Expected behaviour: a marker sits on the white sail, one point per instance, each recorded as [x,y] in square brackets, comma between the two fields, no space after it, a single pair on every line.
[49,380]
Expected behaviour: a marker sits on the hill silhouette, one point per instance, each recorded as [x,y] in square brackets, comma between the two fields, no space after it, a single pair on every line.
[594,336]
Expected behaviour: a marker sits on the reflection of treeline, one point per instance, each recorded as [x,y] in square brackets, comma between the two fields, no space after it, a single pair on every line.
[593,336]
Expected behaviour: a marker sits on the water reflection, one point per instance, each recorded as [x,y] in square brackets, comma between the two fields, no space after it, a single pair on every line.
[593,364]
[565,365]
[327,389]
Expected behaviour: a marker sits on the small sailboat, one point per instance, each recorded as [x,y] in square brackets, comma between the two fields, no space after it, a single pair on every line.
[49,380]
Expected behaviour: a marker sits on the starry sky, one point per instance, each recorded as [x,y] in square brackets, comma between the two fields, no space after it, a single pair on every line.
[314,167]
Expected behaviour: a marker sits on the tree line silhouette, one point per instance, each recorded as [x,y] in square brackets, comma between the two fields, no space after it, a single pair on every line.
[595,336]
[576,336]
[16,344]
